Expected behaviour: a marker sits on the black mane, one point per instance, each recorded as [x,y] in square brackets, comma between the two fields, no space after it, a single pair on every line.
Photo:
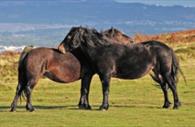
[92,37]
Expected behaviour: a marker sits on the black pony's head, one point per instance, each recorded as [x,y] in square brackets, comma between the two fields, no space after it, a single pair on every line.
[79,37]
[72,39]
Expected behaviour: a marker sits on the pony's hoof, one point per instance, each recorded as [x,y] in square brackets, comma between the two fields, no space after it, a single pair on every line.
[12,110]
[177,105]
[30,108]
[167,105]
[84,106]
[13,107]
[104,107]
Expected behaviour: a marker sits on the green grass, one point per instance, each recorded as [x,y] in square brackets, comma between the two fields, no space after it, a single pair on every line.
[133,103]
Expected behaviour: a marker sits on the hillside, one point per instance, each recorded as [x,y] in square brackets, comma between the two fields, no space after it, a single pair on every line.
[186,36]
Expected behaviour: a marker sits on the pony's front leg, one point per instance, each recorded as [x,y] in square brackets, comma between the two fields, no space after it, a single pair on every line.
[105,79]
[85,86]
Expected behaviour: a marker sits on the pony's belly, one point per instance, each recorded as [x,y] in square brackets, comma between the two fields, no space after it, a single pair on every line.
[128,76]
[132,73]
[62,78]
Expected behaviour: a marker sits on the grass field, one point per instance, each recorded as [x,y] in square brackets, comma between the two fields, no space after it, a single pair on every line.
[133,103]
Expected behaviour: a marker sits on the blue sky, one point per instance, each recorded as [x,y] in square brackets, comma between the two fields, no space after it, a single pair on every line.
[187,3]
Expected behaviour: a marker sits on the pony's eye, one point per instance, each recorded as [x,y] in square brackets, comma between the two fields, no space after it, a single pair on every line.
[69,37]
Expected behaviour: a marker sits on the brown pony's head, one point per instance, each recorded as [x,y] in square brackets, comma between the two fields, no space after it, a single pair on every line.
[117,36]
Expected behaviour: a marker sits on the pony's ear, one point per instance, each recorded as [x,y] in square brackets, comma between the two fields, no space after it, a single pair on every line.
[82,34]
[81,29]
[112,31]
[100,35]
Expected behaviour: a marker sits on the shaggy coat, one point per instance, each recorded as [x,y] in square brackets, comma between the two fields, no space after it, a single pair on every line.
[109,59]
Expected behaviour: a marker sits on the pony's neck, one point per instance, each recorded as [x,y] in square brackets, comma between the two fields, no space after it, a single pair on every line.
[81,55]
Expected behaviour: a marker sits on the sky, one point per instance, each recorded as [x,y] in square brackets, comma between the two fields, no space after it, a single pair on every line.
[186,3]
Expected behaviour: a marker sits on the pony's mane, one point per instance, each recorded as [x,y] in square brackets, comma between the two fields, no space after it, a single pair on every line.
[93,38]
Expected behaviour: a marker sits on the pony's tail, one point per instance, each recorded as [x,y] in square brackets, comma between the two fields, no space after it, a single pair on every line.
[176,68]
[25,51]
[22,70]
[22,97]
[182,74]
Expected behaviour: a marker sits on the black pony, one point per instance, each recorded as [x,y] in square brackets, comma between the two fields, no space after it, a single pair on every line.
[109,59]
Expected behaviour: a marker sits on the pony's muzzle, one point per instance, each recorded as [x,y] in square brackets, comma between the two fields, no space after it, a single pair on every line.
[61,48]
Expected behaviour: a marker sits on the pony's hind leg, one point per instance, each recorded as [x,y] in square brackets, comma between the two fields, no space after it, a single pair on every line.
[15,100]
[28,91]
[165,92]
[157,77]
[172,85]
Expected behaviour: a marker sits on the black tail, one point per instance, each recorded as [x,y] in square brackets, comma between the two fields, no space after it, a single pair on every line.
[182,74]
[176,68]
[22,70]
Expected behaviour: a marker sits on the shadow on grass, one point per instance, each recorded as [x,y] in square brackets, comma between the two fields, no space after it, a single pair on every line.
[136,106]
[37,107]
[96,107]
[75,107]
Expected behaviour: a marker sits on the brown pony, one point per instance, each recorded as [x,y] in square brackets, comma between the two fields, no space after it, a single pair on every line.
[39,62]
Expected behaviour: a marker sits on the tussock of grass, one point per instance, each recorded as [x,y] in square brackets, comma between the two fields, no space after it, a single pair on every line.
[185,52]
[8,68]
